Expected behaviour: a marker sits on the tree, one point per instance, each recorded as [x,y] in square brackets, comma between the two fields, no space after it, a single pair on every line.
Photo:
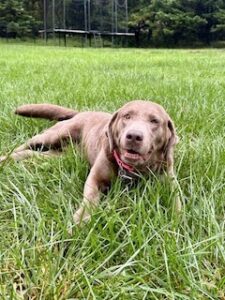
[15,20]
[177,22]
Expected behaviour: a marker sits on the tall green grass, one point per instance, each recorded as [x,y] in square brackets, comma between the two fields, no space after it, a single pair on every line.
[134,247]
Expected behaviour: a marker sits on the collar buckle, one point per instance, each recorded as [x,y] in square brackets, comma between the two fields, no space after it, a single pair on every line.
[125,175]
[125,172]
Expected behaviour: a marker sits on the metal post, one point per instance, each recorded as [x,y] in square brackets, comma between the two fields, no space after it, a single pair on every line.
[126,7]
[85,19]
[116,19]
[64,14]
[101,17]
[85,15]
[89,15]
[45,20]
[53,18]
[113,17]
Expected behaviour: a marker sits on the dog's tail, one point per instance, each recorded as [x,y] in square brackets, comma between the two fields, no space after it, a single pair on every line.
[46,111]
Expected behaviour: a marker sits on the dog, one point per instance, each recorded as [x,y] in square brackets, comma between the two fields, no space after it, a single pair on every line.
[139,138]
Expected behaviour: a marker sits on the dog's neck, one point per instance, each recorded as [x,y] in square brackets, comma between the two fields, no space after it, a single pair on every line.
[122,164]
[155,165]
[125,172]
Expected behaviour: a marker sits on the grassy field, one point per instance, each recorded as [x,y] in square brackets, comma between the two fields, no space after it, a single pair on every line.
[134,247]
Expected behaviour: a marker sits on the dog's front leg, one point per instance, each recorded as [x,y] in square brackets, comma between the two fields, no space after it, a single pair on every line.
[175,189]
[90,201]
[98,178]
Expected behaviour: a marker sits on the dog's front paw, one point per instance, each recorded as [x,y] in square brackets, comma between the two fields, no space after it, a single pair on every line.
[81,215]
[2,158]
[177,204]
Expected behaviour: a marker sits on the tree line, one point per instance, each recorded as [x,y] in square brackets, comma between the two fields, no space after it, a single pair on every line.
[155,22]
[178,22]
[19,18]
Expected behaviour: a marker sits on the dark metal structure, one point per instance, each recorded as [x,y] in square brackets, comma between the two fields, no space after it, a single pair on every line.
[88,18]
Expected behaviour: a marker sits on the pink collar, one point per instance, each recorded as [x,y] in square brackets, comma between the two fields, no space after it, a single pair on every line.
[122,164]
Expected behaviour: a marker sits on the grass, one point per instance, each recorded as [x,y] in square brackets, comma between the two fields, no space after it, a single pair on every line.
[134,247]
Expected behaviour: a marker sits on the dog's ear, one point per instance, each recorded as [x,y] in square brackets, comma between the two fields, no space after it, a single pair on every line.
[174,139]
[110,132]
[169,149]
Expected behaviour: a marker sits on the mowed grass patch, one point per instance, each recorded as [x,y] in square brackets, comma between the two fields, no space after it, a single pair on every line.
[134,247]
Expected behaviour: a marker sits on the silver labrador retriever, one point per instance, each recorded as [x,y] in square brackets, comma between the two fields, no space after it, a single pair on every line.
[137,139]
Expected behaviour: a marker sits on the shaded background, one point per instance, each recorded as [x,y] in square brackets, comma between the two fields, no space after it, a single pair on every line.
[155,22]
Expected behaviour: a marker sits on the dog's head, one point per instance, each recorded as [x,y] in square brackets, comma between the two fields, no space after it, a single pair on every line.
[139,129]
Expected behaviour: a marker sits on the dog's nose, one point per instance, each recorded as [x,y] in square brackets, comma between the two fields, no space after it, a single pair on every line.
[134,136]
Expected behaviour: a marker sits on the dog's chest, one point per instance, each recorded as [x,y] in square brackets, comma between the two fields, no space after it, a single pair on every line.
[92,144]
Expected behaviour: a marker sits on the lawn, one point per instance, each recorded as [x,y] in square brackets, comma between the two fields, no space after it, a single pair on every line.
[134,247]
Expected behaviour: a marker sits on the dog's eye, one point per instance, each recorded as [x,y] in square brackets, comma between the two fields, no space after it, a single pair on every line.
[154,121]
[126,116]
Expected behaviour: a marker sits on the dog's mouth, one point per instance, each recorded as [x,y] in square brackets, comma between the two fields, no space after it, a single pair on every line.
[132,155]
[135,157]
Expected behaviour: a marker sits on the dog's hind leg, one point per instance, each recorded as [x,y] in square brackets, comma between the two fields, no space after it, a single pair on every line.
[24,154]
[50,142]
